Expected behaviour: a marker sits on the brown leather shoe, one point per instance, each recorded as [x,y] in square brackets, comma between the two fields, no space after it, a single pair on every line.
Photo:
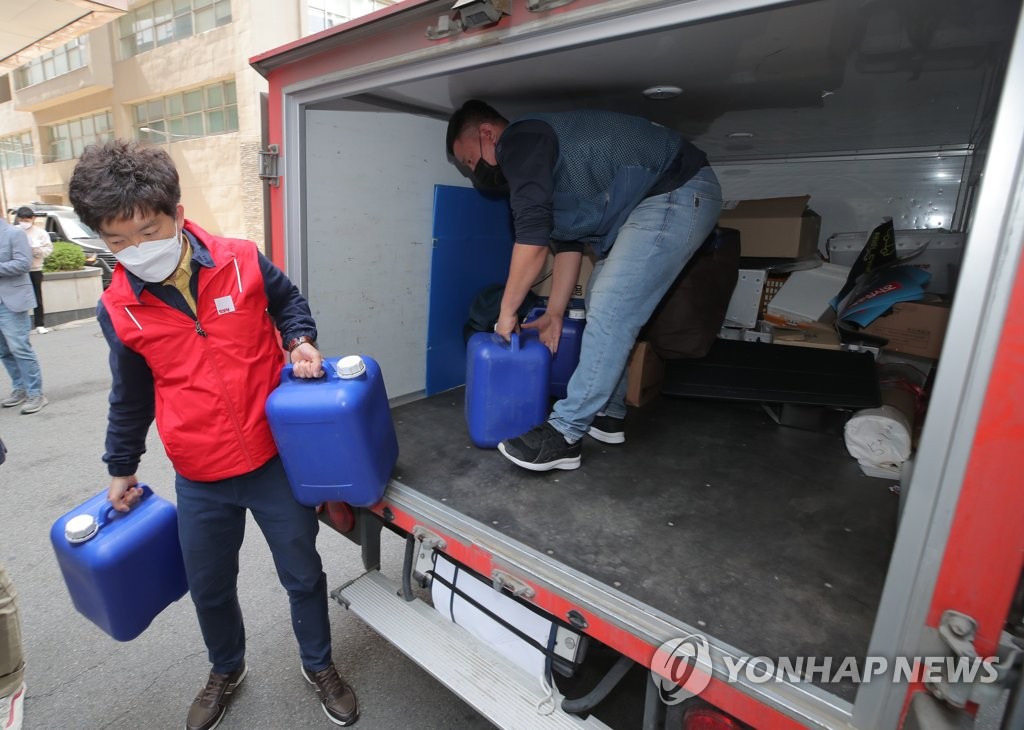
[211,703]
[336,697]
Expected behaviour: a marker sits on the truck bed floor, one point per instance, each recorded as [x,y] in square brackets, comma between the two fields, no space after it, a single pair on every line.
[766,537]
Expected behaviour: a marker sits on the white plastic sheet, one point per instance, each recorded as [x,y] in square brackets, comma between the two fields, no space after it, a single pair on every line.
[486,629]
[880,440]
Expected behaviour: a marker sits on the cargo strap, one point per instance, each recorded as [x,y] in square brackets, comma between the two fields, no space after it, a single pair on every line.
[547,650]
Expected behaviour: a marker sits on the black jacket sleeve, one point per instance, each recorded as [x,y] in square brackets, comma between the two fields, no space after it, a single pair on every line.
[285,303]
[527,153]
[132,403]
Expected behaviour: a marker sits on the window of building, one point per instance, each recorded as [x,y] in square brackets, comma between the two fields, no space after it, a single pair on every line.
[72,55]
[200,112]
[165,21]
[68,139]
[5,88]
[16,151]
[325,14]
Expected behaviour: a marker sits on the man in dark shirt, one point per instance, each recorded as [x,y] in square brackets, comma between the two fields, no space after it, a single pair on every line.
[639,194]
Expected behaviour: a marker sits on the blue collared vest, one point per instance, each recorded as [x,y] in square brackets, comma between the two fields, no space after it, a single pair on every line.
[607,162]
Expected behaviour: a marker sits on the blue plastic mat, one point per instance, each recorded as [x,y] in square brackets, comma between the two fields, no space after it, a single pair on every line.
[472,249]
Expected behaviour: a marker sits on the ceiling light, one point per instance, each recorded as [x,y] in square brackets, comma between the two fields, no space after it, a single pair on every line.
[662,91]
[740,135]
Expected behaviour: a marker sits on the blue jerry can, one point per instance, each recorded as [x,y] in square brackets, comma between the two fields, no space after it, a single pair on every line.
[335,434]
[506,386]
[122,569]
[564,362]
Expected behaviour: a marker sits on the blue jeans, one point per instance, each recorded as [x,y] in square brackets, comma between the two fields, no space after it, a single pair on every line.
[16,352]
[211,524]
[659,237]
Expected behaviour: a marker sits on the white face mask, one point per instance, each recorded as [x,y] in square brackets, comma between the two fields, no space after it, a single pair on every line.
[25,225]
[152,261]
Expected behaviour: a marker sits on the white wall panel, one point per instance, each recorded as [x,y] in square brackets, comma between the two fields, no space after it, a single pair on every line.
[368,216]
[854,194]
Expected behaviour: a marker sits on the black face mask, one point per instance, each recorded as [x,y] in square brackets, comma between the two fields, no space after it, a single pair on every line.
[487,177]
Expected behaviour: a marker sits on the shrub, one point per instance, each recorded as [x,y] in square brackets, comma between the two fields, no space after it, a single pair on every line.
[65,257]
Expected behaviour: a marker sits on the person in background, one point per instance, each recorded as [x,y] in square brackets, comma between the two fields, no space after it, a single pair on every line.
[41,248]
[639,194]
[12,665]
[195,324]
[16,298]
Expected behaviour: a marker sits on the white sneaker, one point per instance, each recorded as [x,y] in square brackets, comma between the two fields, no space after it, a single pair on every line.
[12,709]
[41,330]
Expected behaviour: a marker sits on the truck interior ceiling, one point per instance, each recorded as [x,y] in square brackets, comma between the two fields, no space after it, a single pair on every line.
[769,538]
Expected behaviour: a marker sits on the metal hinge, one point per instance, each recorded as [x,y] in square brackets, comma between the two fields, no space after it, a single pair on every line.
[268,164]
[446,28]
[428,543]
[979,681]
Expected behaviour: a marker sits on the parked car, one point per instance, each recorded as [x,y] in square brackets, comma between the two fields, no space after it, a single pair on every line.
[63,224]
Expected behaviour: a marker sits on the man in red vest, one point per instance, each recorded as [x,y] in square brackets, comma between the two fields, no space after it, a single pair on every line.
[195,324]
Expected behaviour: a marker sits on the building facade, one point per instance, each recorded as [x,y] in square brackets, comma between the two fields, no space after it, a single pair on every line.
[173,73]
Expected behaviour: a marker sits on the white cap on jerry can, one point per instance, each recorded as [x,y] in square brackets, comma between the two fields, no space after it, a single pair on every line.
[80,528]
[351,366]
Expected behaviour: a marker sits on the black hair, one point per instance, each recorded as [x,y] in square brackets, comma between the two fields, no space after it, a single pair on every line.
[471,114]
[25,212]
[123,178]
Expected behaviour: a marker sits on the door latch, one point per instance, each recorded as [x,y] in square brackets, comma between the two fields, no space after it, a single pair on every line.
[502,580]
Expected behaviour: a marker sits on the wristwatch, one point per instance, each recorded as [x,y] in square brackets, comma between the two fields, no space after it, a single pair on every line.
[301,340]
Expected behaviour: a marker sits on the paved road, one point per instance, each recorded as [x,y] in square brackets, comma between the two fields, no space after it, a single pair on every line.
[77,677]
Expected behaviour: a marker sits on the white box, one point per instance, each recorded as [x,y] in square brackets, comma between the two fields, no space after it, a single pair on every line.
[806,294]
[939,252]
[746,298]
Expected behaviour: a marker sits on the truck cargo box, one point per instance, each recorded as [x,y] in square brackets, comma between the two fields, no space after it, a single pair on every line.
[715,520]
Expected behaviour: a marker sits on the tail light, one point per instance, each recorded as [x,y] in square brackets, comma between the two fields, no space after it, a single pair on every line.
[708,718]
[341,516]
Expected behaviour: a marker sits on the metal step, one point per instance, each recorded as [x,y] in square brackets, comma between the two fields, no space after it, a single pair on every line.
[493,686]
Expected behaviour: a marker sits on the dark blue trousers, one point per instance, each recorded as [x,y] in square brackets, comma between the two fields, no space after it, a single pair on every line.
[211,525]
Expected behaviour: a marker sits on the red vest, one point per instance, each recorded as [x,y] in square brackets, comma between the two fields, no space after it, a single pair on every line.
[210,390]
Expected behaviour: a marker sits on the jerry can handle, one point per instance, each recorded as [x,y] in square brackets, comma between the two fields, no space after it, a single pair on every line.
[514,342]
[534,313]
[329,373]
[107,508]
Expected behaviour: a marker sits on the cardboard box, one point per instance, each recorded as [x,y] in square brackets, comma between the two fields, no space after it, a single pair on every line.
[774,227]
[644,374]
[543,286]
[914,328]
[817,334]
